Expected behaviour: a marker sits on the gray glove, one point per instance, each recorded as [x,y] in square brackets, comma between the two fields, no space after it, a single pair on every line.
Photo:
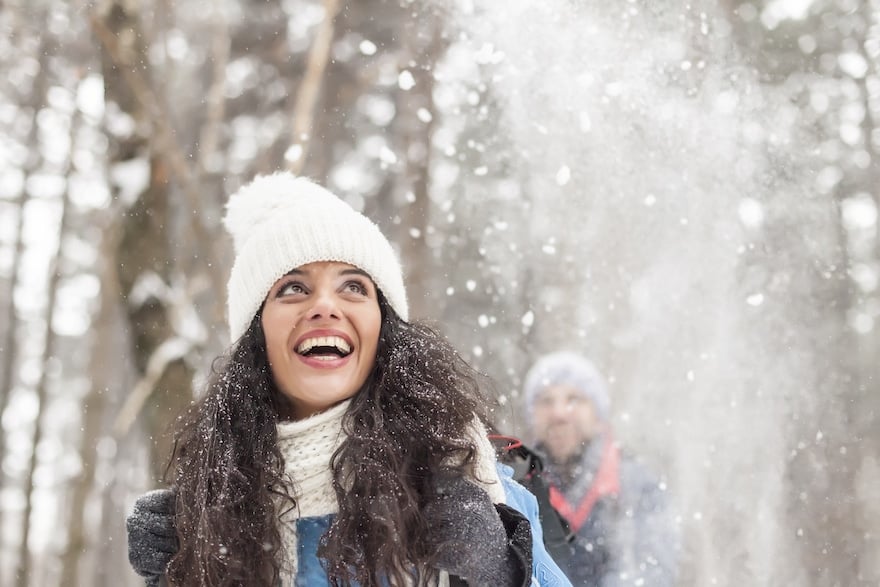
[152,538]
[471,540]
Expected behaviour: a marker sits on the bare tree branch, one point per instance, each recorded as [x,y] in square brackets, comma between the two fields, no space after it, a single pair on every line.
[159,119]
[165,354]
[310,86]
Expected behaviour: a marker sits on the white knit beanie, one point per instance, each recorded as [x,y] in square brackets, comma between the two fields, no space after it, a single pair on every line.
[280,222]
[567,368]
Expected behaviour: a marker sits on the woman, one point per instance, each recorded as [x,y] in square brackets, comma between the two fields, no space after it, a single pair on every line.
[338,443]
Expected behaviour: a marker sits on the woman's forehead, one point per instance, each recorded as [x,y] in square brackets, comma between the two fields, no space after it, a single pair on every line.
[328,267]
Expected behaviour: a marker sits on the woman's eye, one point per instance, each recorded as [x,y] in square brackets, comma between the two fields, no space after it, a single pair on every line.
[356,287]
[293,288]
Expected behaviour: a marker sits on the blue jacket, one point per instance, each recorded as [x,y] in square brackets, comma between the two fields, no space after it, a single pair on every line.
[545,572]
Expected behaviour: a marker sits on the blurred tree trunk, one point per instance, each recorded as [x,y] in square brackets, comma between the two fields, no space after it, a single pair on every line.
[49,351]
[103,377]
[864,408]
[10,346]
[145,251]
[423,47]
[842,393]
[850,449]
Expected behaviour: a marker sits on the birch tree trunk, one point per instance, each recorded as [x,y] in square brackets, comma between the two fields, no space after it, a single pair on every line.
[104,377]
[10,350]
[42,389]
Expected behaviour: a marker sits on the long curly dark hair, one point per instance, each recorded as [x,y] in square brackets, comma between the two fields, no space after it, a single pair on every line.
[410,420]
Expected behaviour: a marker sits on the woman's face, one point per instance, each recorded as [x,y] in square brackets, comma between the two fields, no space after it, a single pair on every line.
[321,323]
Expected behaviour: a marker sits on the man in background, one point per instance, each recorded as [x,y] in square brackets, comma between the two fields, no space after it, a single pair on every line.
[614,506]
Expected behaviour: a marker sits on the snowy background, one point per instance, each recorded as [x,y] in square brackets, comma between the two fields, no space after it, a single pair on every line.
[685,191]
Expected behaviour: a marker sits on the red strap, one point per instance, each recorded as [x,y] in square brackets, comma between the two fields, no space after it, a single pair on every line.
[607,482]
[511,442]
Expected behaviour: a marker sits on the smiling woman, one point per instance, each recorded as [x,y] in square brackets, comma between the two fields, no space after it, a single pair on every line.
[338,443]
[321,323]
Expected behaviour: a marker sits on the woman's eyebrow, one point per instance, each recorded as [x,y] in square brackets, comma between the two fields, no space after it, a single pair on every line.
[355,271]
[352,271]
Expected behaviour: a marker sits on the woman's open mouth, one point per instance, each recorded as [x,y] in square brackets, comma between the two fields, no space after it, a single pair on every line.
[324,348]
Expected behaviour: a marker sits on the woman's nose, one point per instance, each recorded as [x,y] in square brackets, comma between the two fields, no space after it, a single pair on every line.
[324,306]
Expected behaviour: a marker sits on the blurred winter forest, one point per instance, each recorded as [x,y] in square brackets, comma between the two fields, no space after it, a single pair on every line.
[684,190]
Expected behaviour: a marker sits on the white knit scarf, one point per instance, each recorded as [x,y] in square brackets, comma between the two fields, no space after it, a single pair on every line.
[307,446]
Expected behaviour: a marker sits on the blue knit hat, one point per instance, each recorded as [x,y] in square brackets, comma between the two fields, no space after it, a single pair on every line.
[567,368]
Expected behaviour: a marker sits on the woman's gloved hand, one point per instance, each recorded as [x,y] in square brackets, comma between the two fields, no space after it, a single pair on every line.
[152,538]
[471,539]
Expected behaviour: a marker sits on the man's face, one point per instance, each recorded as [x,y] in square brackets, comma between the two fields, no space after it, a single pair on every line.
[564,421]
